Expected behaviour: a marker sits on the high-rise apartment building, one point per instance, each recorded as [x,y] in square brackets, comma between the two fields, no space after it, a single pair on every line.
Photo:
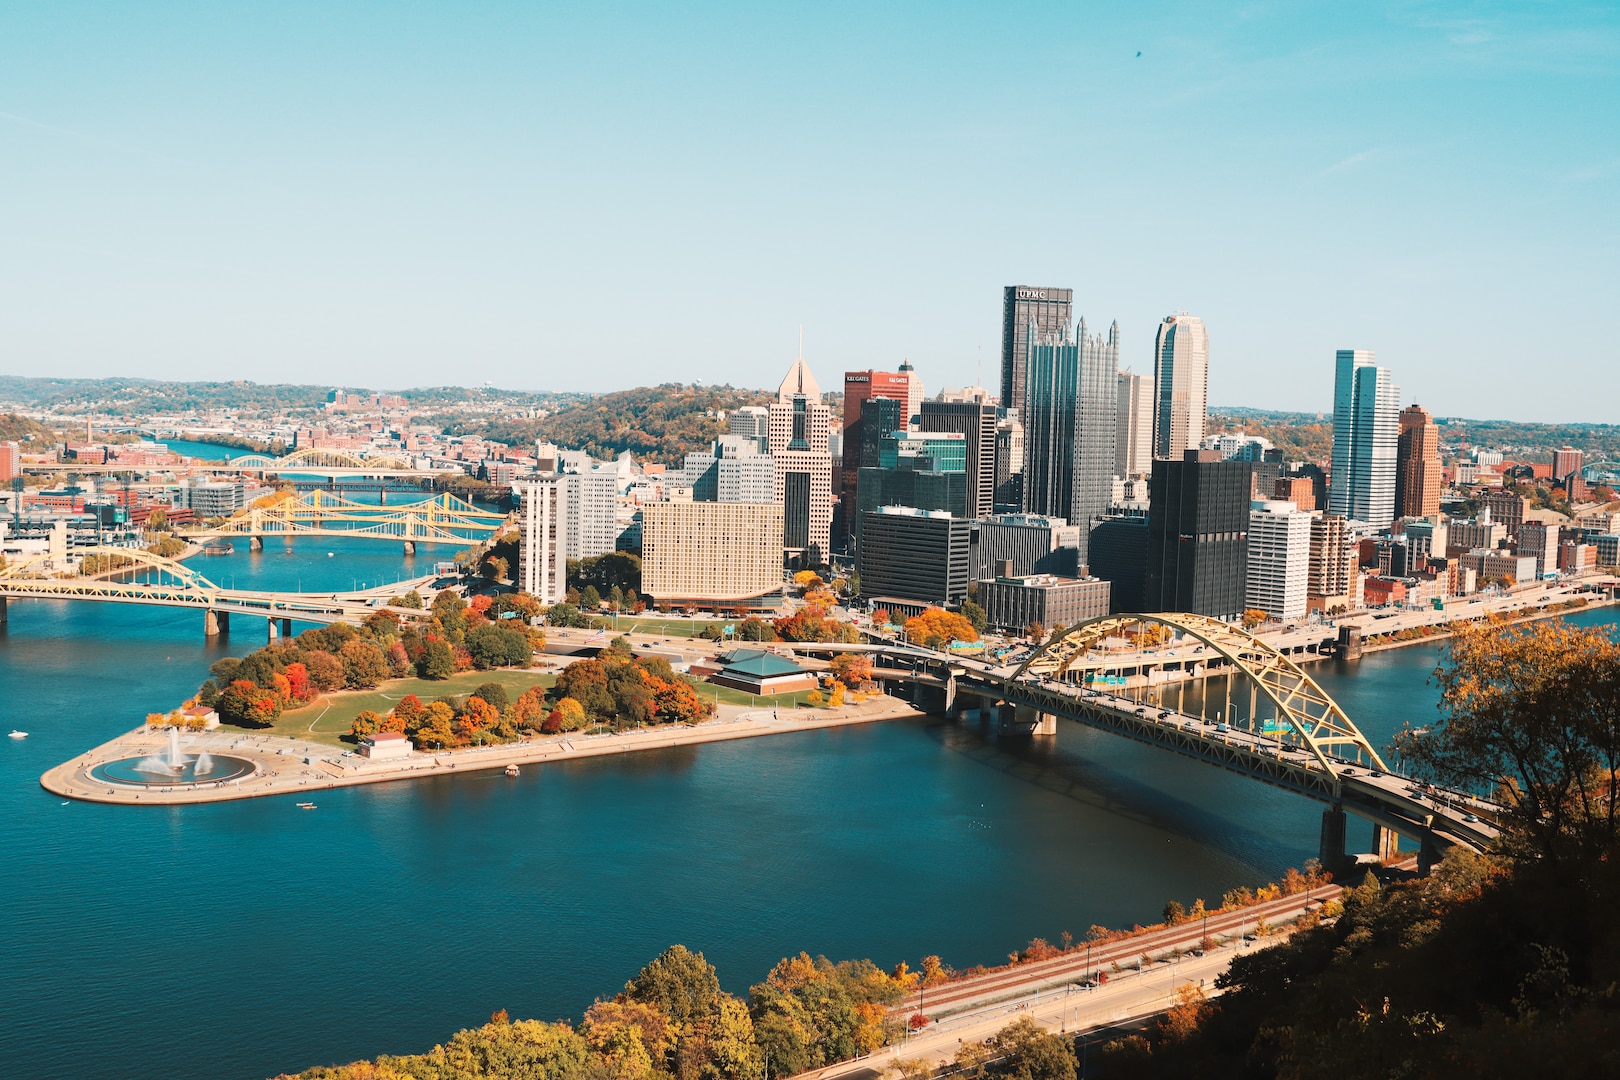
[1047,311]
[1298,490]
[1567,461]
[712,554]
[10,461]
[1331,576]
[800,424]
[1417,471]
[1180,385]
[542,538]
[1279,559]
[1539,540]
[1366,436]
[591,520]
[860,387]
[976,422]
[1133,432]
[733,470]
[751,422]
[1198,535]
[1071,394]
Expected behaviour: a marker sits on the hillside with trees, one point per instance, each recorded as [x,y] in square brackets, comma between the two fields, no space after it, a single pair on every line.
[14,428]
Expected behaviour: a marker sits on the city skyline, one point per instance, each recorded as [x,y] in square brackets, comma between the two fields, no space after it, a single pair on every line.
[389,194]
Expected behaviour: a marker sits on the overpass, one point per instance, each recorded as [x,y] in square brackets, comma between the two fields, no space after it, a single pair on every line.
[311,461]
[140,577]
[1272,722]
[442,519]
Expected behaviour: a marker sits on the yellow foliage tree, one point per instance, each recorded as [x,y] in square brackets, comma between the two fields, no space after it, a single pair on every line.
[936,628]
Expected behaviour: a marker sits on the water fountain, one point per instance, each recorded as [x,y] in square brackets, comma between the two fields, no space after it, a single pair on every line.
[171,767]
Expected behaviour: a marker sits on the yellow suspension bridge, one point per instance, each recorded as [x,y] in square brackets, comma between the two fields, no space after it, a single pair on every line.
[442,519]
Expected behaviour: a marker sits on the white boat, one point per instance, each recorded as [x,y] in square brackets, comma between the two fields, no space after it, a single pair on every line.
[15,734]
[511,770]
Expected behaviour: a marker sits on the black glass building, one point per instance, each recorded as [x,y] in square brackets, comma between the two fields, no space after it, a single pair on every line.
[1198,535]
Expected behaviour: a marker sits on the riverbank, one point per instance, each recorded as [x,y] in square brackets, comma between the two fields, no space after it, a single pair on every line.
[284,766]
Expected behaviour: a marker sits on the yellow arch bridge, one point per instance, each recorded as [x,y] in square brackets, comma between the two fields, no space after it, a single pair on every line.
[133,576]
[1203,689]
[442,519]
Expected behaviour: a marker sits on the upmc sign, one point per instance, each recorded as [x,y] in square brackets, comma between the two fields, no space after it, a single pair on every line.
[1031,294]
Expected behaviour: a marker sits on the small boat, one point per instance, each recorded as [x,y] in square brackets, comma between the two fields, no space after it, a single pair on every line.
[331,554]
[306,806]
[15,734]
[511,770]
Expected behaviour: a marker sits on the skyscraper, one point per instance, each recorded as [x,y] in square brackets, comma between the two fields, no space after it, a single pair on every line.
[1198,535]
[860,387]
[1366,434]
[1009,463]
[1278,578]
[732,470]
[542,538]
[1180,385]
[800,423]
[1048,311]
[1417,471]
[1069,425]
[977,422]
[1133,439]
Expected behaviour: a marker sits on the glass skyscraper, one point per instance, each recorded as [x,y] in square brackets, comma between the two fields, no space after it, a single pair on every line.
[1181,385]
[1366,439]
[1026,309]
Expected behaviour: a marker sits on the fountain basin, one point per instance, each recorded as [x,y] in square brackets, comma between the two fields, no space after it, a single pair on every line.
[180,770]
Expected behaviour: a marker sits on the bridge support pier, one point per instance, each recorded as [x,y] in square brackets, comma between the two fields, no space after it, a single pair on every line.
[255,543]
[1331,849]
[286,628]
[1428,852]
[216,623]
[410,547]
[1025,720]
[275,629]
[3,600]
[1386,844]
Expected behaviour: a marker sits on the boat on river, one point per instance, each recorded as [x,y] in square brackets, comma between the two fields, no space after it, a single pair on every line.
[511,770]
[15,734]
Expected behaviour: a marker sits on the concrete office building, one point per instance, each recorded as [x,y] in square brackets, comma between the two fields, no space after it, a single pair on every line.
[1198,535]
[591,520]
[1366,436]
[1332,572]
[1133,433]
[1013,602]
[1009,494]
[1279,559]
[712,554]
[918,488]
[975,421]
[1180,384]
[919,556]
[1417,471]
[1024,307]
[904,387]
[1298,490]
[1499,566]
[1540,541]
[1506,509]
[752,422]
[1030,544]
[734,470]
[542,538]
[215,499]
[800,423]
[1069,425]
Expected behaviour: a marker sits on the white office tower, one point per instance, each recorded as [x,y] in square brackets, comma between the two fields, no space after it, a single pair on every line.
[800,424]
[593,502]
[542,544]
[751,422]
[733,470]
[1133,440]
[1180,385]
[1279,559]
[1366,440]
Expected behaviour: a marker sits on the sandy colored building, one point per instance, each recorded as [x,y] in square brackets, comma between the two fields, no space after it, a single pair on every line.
[712,554]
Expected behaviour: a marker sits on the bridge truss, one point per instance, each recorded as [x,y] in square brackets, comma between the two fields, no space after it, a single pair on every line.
[1314,718]
[133,576]
[443,519]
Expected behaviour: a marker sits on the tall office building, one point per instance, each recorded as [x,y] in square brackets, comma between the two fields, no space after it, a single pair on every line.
[1279,559]
[800,424]
[860,387]
[1366,436]
[976,422]
[1009,495]
[1071,394]
[712,554]
[542,538]
[1133,434]
[1180,385]
[733,470]
[1417,468]
[1198,535]
[1048,311]
[591,525]
[916,556]
[751,422]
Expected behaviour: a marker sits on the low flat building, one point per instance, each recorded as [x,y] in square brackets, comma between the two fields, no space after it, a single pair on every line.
[757,671]
[1013,603]
[386,746]
[1500,566]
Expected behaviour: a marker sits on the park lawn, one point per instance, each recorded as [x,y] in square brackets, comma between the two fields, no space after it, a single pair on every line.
[328,717]
[675,628]
[728,695]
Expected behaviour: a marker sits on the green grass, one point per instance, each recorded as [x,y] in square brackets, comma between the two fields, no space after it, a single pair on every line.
[681,628]
[732,696]
[327,718]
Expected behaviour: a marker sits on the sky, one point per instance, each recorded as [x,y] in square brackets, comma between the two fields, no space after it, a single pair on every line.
[546,197]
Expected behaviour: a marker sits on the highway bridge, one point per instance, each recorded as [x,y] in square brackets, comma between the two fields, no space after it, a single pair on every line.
[311,461]
[442,519]
[140,577]
[1271,722]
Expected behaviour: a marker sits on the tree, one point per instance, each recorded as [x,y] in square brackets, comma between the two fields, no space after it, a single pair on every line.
[157,520]
[399,661]
[755,629]
[1027,1052]
[493,645]
[412,599]
[529,710]
[852,669]
[451,611]
[975,615]
[365,724]
[570,715]
[565,615]
[835,697]
[476,720]
[679,982]
[494,693]
[936,628]
[364,665]
[586,681]
[1254,617]
[521,1050]
[1535,713]
[676,701]
[434,727]
[496,568]
[1174,913]
[248,704]
[437,662]
[325,670]
[299,688]
[810,623]
[590,599]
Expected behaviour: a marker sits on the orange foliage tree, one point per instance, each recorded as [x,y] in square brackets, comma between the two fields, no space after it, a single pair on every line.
[936,628]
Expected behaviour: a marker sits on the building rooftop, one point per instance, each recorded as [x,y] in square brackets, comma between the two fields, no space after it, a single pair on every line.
[758,663]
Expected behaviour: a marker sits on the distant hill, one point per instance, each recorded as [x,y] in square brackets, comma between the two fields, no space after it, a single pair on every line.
[1309,436]
[655,423]
[1300,436]
[14,428]
[119,397]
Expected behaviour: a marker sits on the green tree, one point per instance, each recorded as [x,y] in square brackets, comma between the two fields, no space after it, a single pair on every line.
[493,645]
[1029,1052]
[755,629]
[679,982]
[586,681]
[590,599]
[494,693]
[364,665]
[975,615]
[412,599]
[437,661]
[520,1050]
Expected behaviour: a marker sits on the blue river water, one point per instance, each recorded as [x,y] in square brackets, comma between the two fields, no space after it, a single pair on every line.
[244,939]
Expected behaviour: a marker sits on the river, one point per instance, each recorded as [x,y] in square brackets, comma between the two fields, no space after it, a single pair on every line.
[242,939]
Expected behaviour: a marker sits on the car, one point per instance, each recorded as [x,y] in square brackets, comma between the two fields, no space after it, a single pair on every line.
[1223,727]
[1375,774]
[1470,817]
[1349,772]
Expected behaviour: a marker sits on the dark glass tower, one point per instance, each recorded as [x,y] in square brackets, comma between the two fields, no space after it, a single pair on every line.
[1049,310]
[978,423]
[1198,535]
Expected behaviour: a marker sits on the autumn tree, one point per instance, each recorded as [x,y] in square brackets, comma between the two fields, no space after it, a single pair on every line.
[586,681]
[528,712]
[325,670]
[852,669]
[437,661]
[936,628]
[755,629]
[248,704]
[364,665]
[1026,1051]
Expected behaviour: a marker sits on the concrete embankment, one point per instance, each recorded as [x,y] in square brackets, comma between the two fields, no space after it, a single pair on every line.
[292,766]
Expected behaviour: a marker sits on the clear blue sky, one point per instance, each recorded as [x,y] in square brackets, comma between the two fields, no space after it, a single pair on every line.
[549,197]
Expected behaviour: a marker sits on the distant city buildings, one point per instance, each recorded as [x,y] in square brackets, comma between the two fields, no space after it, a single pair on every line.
[735,469]
[800,424]
[1366,426]
[1009,494]
[1024,308]
[1417,472]
[1069,424]
[1180,384]
[903,387]
[1012,602]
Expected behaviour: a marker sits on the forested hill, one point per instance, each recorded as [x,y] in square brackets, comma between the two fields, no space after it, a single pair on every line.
[655,423]
[14,428]
[135,397]
[1309,436]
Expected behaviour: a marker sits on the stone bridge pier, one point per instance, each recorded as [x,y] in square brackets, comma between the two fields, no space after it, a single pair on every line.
[1024,720]
[216,623]
[279,628]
